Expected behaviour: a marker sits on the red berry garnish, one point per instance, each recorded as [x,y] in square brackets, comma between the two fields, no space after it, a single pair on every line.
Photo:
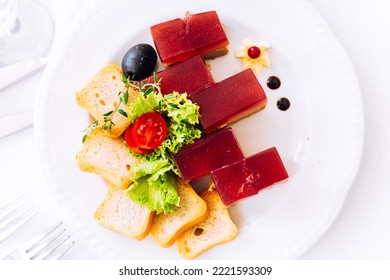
[254,52]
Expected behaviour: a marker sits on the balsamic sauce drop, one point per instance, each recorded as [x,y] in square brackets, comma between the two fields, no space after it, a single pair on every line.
[283,104]
[273,82]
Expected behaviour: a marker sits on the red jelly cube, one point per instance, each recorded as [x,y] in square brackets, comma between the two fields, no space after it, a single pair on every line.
[229,100]
[189,76]
[196,34]
[248,176]
[208,154]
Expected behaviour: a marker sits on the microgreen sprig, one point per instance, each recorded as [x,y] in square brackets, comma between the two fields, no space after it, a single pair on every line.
[145,90]
[149,88]
[88,130]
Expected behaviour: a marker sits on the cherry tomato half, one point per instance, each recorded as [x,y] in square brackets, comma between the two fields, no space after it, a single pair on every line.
[131,144]
[147,133]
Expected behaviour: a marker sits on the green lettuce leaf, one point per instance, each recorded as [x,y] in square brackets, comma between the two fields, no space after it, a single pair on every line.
[143,104]
[154,182]
[154,185]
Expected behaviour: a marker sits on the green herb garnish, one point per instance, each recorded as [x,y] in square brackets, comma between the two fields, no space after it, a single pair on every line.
[154,182]
[88,130]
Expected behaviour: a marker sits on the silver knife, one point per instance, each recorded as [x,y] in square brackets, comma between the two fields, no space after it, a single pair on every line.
[12,73]
[15,122]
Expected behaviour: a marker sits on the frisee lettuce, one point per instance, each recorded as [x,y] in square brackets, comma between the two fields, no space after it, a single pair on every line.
[154,182]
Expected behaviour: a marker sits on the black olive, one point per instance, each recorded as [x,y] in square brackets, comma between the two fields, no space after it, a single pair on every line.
[139,62]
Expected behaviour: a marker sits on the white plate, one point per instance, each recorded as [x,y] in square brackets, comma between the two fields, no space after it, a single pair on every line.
[320,137]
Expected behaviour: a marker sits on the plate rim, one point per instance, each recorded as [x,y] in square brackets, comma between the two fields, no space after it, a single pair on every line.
[333,209]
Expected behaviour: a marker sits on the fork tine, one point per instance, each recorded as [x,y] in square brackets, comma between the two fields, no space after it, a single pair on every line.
[10,200]
[60,253]
[34,241]
[11,209]
[14,215]
[10,205]
[56,242]
[48,242]
[15,222]
[44,243]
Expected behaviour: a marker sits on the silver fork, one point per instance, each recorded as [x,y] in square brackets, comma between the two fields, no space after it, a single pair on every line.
[14,212]
[51,244]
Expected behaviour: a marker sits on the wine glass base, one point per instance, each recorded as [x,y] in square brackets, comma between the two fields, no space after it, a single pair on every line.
[31,35]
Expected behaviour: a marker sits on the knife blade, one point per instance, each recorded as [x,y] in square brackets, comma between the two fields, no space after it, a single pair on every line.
[13,123]
[15,72]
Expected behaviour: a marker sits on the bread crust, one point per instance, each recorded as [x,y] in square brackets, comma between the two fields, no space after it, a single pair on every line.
[121,214]
[100,96]
[216,229]
[192,210]
[108,158]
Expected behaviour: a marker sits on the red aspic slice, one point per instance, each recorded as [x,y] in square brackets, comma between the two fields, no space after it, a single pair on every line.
[189,76]
[229,100]
[207,154]
[196,34]
[249,176]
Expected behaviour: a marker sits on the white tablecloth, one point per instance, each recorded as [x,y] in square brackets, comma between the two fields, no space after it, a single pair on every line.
[362,229]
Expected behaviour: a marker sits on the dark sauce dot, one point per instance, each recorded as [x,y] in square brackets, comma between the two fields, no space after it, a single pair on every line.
[283,104]
[273,82]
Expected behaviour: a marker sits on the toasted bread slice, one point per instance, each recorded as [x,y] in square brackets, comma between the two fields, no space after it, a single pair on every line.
[216,229]
[100,96]
[167,227]
[108,157]
[120,213]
